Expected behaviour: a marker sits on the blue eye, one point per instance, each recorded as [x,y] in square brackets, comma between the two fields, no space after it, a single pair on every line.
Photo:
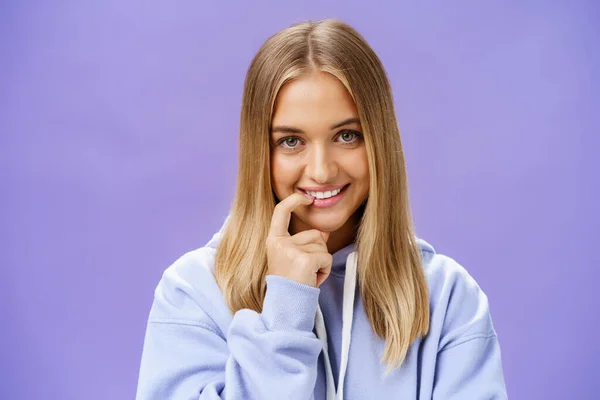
[290,142]
[349,137]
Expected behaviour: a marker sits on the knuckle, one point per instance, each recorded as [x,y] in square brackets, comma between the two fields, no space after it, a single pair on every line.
[326,259]
[275,243]
[279,244]
[269,240]
[316,232]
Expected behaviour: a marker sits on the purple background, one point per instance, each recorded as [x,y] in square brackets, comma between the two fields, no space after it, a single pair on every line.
[118,153]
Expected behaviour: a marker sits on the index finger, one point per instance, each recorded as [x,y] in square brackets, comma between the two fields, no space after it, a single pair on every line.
[280,221]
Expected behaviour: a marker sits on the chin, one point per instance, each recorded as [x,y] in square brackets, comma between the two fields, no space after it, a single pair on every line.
[326,223]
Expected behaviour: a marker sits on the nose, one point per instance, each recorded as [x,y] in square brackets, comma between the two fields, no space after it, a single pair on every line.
[321,166]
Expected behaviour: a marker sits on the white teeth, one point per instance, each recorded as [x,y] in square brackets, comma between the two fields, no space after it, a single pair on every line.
[325,195]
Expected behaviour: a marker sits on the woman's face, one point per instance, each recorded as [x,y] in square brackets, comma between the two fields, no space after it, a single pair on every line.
[318,148]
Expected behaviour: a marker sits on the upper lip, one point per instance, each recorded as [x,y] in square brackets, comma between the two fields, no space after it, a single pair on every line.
[329,188]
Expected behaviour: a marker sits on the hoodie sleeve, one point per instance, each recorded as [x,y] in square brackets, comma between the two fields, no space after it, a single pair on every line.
[469,363]
[268,355]
[470,370]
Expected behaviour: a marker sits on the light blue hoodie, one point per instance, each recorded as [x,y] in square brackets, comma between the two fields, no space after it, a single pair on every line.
[196,349]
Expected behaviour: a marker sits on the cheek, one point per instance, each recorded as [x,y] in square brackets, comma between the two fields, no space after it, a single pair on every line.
[284,173]
[357,166]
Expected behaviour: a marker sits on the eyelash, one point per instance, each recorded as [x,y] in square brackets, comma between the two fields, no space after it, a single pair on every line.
[357,136]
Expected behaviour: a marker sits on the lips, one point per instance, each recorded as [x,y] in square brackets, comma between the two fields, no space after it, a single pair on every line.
[328,202]
[325,192]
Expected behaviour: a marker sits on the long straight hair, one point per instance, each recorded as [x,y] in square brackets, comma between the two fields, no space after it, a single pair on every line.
[392,282]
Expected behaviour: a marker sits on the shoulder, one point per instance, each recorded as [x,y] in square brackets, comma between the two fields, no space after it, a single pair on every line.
[459,307]
[188,292]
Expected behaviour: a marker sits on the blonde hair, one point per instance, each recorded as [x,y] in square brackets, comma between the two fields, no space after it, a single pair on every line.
[392,281]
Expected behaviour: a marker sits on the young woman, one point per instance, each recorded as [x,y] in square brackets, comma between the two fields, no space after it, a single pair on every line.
[316,286]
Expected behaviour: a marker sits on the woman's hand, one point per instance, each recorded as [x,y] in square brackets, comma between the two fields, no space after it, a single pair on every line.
[303,257]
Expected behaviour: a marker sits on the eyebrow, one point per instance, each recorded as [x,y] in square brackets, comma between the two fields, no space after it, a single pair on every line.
[291,129]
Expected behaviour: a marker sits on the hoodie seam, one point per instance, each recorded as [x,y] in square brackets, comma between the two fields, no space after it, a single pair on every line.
[468,339]
[184,322]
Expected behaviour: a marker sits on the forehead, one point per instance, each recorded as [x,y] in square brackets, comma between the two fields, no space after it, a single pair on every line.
[315,99]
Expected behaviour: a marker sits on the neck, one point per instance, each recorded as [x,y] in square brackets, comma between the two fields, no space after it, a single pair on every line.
[343,236]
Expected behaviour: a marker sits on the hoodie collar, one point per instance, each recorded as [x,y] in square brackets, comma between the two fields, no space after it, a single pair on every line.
[339,259]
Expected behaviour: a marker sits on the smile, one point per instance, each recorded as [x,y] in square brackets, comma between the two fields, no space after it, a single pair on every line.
[326,198]
[324,195]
